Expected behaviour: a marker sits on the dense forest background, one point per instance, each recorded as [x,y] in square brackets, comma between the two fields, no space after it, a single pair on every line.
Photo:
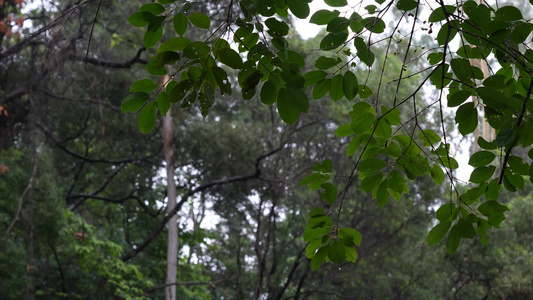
[83,192]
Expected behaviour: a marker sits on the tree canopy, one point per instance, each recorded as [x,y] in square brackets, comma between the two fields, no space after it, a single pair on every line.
[334,154]
[479,61]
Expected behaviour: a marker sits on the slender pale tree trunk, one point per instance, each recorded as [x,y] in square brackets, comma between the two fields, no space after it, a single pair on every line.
[172,250]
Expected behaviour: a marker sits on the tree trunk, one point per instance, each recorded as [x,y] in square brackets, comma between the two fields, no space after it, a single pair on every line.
[172,250]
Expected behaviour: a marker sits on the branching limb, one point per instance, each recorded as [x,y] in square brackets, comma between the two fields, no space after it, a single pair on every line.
[21,200]
[192,192]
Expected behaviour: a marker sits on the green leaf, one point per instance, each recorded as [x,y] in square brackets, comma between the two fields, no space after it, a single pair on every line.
[439,13]
[486,145]
[371,8]
[311,248]
[249,42]
[133,102]
[143,85]
[354,143]
[364,92]
[344,130]
[313,178]
[180,23]
[435,57]
[293,78]
[325,167]
[429,137]
[495,99]
[505,137]
[445,212]
[140,18]
[458,98]
[286,109]
[230,58]
[338,24]
[319,258]
[163,103]
[466,229]
[482,174]
[174,44]
[526,133]
[289,56]
[298,98]
[336,252]
[362,123]
[462,69]
[513,181]
[147,117]
[152,37]
[313,77]
[350,85]
[493,190]
[521,32]
[196,50]
[438,232]
[269,92]
[299,8]
[518,166]
[467,51]
[494,211]
[277,27]
[336,89]
[437,78]
[454,239]
[467,118]
[180,90]
[396,182]
[333,40]
[371,181]
[392,115]
[437,174]
[221,77]
[351,254]
[509,13]
[406,5]
[371,164]
[323,63]
[200,20]
[495,81]
[321,88]
[153,8]
[322,17]
[481,158]
[383,128]
[375,25]
[330,193]
[355,22]
[336,3]
[166,58]
[382,193]
[155,69]
[448,32]
[352,234]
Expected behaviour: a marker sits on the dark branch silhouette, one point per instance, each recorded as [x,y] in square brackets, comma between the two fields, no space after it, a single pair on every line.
[192,192]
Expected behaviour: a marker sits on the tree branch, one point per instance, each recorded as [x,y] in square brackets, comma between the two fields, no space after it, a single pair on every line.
[85,158]
[13,95]
[83,197]
[92,101]
[18,47]
[21,199]
[110,64]
[192,192]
